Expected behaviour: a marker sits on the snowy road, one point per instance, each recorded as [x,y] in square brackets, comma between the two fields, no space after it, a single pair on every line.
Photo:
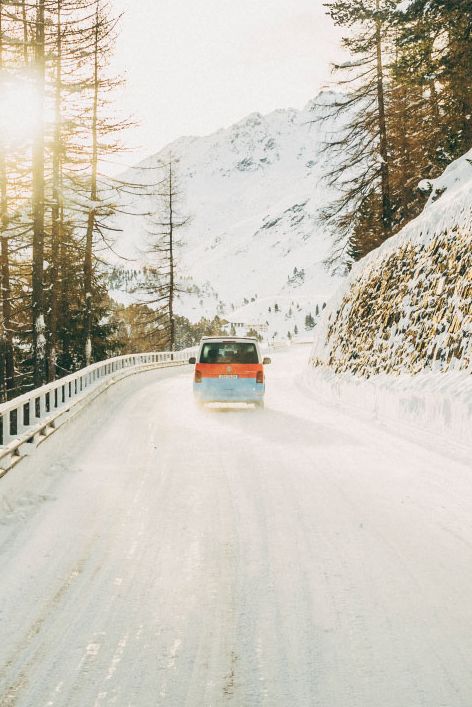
[154,554]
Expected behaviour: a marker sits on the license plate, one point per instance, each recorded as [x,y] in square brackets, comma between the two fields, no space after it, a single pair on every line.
[227,376]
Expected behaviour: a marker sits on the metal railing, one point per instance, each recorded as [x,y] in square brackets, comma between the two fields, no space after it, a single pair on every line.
[28,419]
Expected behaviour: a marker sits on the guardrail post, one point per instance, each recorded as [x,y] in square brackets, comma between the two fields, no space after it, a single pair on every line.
[21,424]
[7,436]
[38,407]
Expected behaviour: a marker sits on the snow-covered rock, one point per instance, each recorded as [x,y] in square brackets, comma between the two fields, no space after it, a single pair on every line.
[407,306]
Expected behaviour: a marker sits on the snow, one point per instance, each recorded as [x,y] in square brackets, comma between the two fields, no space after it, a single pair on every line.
[297,556]
[88,350]
[41,339]
[403,5]
[288,317]
[438,405]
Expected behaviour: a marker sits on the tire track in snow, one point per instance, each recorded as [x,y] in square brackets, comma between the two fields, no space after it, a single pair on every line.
[10,695]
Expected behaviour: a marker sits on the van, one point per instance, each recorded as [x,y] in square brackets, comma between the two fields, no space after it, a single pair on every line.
[229,369]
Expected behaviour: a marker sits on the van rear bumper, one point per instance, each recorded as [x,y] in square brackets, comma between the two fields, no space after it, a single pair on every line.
[218,390]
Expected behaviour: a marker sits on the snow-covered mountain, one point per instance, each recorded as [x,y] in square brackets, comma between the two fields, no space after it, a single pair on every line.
[252,192]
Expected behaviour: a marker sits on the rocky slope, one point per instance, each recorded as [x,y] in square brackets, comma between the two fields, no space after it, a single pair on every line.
[394,345]
[407,307]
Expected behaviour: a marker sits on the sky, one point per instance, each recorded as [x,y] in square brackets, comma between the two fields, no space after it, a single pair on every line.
[194,66]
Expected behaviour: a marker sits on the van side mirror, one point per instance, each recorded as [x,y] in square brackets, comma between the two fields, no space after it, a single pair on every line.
[192,360]
[266,361]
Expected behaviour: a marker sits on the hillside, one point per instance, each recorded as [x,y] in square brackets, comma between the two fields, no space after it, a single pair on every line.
[403,319]
[252,192]
[407,306]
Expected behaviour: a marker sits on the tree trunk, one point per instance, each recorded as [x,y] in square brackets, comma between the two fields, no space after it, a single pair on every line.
[88,259]
[171,259]
[64,295]
[383,148]
[8,351]
[56,227]
[24,19]
[7,369]
[39,325]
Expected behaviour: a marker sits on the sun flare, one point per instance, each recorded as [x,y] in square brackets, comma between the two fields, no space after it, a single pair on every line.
[19,111]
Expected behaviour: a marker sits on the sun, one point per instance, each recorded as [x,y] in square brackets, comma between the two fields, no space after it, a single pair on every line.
[19,111]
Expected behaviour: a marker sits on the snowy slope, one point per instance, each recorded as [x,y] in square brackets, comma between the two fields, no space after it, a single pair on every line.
[252,191]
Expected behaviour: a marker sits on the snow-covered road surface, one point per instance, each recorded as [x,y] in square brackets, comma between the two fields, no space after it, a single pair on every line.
[154,554]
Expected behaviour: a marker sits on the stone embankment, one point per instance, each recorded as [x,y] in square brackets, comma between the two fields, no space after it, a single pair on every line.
[409,311]
[395,344]
[407,307]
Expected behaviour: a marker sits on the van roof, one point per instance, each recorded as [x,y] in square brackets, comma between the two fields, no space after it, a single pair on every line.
[229,338]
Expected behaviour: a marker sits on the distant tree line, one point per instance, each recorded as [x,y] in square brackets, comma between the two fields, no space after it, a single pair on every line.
[135,329]
[54,201]
[405,107]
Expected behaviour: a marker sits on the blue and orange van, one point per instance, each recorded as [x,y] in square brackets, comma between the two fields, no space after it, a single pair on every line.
[229,369]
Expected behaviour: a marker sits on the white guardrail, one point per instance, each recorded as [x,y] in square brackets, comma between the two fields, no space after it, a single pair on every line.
[28,419]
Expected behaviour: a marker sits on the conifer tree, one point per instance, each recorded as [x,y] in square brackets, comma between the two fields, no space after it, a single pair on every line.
[363,215]
[445,36]
[91,220]
[48,249]
[163,284]
[38,203]
[7,371]
[100,192]
[406,99]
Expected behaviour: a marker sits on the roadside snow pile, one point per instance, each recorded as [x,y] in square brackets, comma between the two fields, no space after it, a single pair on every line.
[438,403]
[403,319]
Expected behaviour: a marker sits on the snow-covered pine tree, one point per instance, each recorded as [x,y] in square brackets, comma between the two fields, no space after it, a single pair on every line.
[309,322]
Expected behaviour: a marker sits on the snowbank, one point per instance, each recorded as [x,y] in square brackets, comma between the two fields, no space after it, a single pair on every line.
[435,403]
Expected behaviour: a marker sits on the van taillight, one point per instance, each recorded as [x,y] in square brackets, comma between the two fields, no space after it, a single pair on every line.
[198,377]
[260,377]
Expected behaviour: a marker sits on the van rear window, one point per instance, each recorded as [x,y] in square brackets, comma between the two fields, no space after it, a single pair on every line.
[229,352]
